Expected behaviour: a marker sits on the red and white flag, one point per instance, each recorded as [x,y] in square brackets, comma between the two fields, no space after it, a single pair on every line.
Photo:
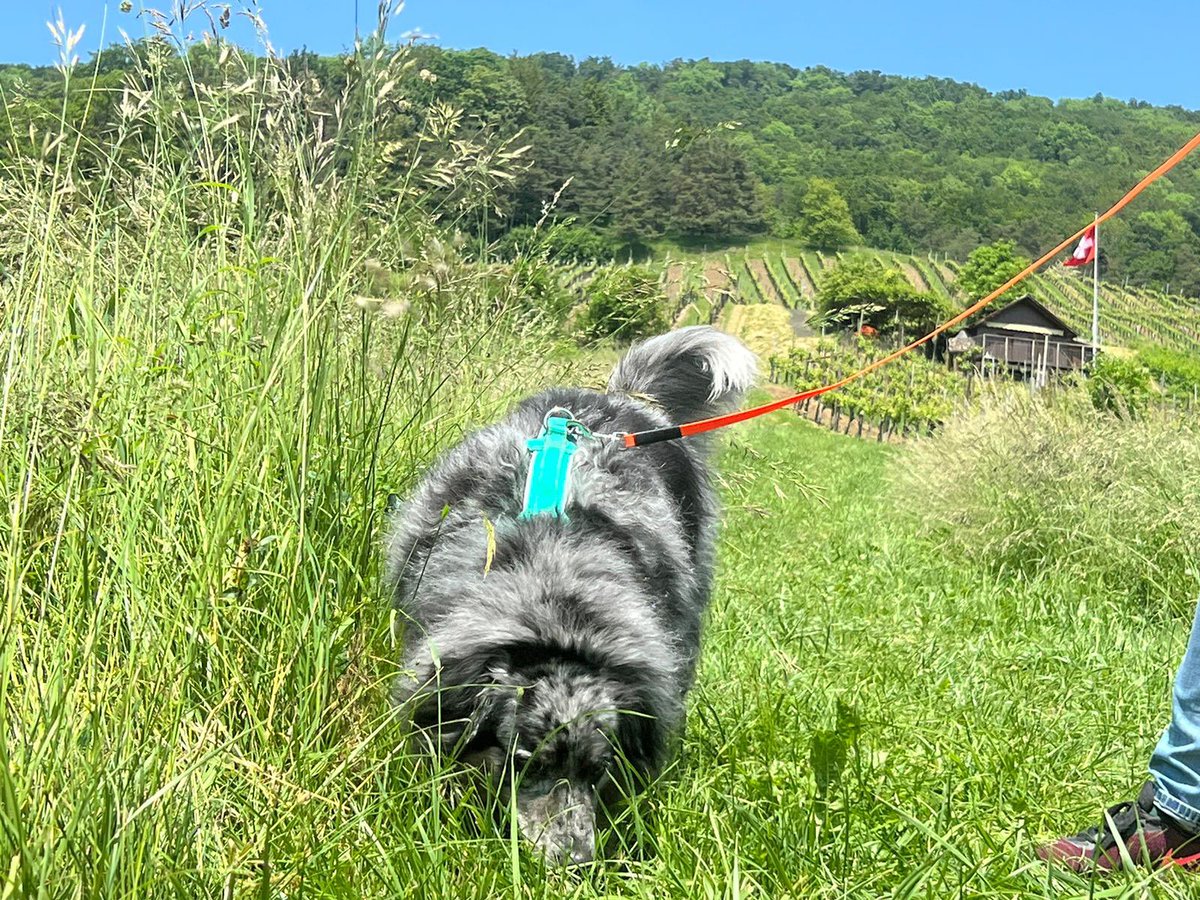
[1086,251]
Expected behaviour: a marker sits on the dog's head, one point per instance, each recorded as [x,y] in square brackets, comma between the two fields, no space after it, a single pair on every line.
[561,738]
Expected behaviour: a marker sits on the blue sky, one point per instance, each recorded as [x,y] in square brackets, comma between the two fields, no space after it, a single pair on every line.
[1049,49]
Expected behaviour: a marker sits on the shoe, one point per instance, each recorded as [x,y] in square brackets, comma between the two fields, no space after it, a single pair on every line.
[1150,837]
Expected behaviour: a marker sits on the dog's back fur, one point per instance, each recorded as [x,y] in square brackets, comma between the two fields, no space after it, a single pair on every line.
[606,603]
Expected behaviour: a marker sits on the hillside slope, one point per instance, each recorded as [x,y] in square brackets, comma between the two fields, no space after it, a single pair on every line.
[783,273]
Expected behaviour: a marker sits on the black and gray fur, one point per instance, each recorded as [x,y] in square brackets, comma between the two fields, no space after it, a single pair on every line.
[567,660]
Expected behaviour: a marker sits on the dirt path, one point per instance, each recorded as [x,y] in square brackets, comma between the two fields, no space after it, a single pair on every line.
[766,328]
[795,270]
[674,285]
[762,278]
[716,281]
[800,325]
[913,274]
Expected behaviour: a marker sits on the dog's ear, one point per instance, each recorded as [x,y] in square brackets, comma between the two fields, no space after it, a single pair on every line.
[640,736]
[485,743]
[457,700]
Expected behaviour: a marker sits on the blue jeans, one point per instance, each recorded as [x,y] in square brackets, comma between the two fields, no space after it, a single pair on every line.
[1175,765]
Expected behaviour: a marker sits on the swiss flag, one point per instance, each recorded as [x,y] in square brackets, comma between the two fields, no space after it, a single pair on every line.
[1086,251]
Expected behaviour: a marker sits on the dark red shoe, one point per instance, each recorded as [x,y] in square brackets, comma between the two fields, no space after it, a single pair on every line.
[1150,838]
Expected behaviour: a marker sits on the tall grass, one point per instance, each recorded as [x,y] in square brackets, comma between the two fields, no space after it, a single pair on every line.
[1036,489]
[221,349]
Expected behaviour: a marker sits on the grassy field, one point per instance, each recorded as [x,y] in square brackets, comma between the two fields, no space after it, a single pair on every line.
[892,720]
[194,691]
[222,355]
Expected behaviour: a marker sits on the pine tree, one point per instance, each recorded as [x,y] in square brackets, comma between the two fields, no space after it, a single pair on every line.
[715,193]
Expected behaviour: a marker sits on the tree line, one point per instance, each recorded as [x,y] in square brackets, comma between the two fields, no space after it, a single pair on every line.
[709,153]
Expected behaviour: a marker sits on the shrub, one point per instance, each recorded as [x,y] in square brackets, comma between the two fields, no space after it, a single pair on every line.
[561,243]
[1033,490]
[861,289]
[1119,385]
[1178,373]
[534,290]
[625,302]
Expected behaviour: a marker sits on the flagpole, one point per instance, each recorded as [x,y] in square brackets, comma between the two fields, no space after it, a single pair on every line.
[1096,288]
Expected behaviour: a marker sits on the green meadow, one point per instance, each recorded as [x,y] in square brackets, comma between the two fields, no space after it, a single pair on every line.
[223,346]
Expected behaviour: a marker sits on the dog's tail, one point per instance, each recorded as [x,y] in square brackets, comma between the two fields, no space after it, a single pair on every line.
[692,373]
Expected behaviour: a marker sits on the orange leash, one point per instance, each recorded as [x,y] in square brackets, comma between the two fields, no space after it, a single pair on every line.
[643,438]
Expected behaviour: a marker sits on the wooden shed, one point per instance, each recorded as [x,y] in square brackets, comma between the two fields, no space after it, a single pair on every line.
[1026,339]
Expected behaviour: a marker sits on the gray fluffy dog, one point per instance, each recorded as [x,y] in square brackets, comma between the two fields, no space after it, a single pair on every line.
[564,664]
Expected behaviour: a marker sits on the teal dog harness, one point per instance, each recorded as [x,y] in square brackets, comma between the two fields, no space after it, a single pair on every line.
[550,464]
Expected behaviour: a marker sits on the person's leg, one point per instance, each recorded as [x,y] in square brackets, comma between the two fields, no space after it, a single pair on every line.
[1162,824]
[1175,764]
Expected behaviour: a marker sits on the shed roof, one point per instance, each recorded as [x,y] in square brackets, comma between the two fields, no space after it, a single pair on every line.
[1046,322]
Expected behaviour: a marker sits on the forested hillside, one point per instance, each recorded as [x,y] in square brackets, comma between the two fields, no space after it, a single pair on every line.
[706,153]
[923,164]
